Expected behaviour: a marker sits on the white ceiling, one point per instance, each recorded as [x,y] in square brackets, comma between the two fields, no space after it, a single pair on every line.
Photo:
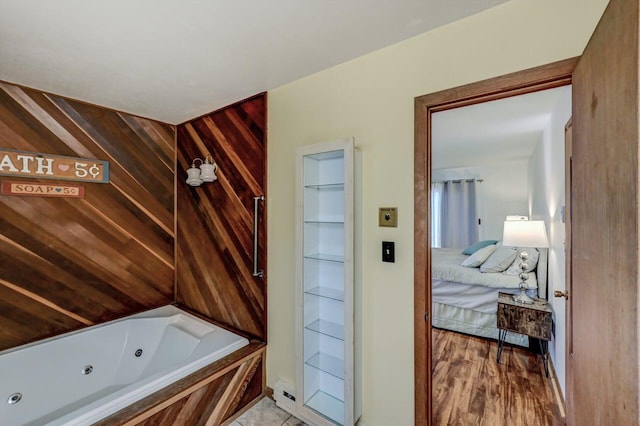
[173,60]
[492,132]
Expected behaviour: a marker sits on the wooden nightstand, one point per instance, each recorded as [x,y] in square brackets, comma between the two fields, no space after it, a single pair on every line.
[532,320]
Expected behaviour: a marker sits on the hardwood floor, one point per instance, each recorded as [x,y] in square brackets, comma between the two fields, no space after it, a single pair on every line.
[470,388]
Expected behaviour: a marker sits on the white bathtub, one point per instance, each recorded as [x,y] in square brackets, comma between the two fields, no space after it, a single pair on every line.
[81,377]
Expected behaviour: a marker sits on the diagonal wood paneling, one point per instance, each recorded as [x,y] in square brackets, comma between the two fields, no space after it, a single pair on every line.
[67,263]
[209,396]
[215,221]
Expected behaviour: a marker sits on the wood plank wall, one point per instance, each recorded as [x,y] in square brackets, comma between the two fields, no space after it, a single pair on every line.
[209,396]
[214,235]
[67,263]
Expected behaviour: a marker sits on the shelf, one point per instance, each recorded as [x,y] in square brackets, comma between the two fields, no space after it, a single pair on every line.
[327,405]
[339,185]
[326,155]
[327,363]
[325,321]
[327,328]
[326,257]
[339,221]
[327,292]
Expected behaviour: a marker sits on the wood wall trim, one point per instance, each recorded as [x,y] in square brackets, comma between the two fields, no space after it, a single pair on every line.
[535,79]
[544,77]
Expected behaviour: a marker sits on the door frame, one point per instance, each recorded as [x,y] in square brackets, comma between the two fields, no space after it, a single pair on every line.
[531,80]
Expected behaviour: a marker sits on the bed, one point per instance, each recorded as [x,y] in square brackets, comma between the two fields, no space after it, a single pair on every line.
[464,299]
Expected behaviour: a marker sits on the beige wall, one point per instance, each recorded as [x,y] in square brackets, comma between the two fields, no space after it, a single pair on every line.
[371,98]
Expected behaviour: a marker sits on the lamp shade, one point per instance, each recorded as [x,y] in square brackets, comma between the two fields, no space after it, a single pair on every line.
[525,233]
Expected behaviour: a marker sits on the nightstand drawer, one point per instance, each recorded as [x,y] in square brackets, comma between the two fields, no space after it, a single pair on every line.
[531,320]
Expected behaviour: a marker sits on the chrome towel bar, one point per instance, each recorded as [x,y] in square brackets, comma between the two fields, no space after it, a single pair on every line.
[256,272]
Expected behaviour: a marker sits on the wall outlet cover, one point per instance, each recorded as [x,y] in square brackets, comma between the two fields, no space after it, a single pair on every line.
[388,217]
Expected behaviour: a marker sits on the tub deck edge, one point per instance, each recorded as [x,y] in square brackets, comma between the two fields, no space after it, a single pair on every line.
[230,382]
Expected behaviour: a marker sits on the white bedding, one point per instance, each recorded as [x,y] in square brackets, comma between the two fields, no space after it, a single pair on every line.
[466,300]
[468,296]
[471,322]
[446,266]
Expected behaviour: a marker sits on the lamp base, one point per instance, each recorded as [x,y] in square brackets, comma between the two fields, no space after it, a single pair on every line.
[522,297]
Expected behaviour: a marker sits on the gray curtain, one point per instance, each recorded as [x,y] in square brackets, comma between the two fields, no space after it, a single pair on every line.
[436,214]
[459,218]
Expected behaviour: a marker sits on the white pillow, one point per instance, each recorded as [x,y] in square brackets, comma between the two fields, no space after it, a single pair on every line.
[532,261]
[478,258]
[499,260]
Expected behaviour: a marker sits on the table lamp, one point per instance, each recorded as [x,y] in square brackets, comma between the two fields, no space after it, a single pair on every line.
[524,234]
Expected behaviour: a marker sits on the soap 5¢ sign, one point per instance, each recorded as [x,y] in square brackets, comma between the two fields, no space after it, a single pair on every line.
[41,190]
[46,166]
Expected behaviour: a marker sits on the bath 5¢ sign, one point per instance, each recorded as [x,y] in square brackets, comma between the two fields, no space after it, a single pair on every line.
[47,166]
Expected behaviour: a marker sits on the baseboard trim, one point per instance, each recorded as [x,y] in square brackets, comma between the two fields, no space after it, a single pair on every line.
[557,392]
[268,392]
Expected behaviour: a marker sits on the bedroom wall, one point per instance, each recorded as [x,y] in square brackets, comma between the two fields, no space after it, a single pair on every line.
[372,99]
[546,198]
[504,191]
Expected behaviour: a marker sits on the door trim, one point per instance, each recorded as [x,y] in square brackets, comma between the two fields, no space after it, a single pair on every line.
[532,80]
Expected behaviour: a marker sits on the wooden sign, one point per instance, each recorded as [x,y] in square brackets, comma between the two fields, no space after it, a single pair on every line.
[41,189]
[47,166]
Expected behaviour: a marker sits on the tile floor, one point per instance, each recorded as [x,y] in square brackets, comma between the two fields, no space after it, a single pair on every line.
[266,413]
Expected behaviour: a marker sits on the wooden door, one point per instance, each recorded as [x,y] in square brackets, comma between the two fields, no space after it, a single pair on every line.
[604,368]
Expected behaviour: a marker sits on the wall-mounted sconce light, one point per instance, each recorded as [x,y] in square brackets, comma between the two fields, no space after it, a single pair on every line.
[205,173]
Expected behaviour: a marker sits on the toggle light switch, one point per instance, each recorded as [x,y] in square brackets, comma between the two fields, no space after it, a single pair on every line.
[388,251]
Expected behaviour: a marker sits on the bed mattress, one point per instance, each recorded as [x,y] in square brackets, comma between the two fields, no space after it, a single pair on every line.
[471,322]
[470,296]
[470,309]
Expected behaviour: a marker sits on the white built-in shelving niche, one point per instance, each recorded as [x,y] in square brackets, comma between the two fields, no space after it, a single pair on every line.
[325,283]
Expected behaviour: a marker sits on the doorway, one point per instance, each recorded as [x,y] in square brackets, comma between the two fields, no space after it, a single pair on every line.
[529,81]
[511,151]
